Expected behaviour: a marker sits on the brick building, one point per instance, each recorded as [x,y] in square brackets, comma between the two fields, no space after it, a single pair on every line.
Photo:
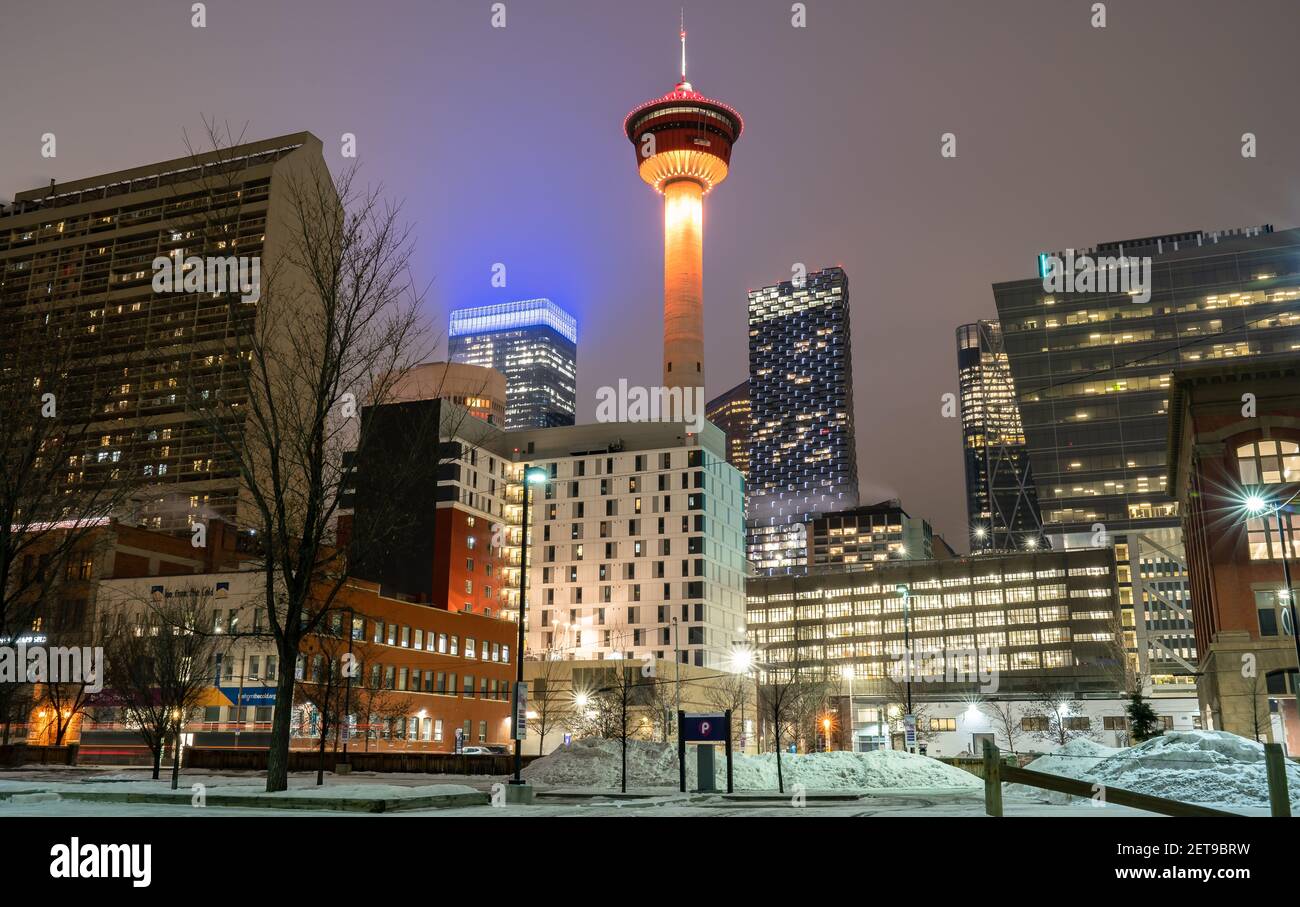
[1234,466]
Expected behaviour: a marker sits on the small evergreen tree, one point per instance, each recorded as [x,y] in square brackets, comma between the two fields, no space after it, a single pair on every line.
[1143,721]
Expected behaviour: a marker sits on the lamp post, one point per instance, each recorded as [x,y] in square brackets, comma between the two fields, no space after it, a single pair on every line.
[847,673]
[1259,506]
[677,656]
[347,680]
[532,475]
[904,591]
[742,659]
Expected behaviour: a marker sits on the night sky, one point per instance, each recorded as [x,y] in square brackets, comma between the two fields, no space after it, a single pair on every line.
[505,145]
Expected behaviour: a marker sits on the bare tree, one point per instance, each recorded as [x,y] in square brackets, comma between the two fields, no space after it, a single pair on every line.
[550,701]
[337,323]
[378,710]
[1059,716]
[1005,716]
[661,706]
[896,710]
[612,708]
[791,695]
[326,687]
[160,661]
[734,692]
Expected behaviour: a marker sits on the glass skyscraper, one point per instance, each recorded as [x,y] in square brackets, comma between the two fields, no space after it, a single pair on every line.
[802,454]
[1092,371]
[1001,501]
[730,412]
[534,343]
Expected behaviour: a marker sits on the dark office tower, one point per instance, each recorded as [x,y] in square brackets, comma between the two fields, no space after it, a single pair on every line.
[1001,501]
[534,343]
[730,411]
[1092,370]
[84,277]
[802,459]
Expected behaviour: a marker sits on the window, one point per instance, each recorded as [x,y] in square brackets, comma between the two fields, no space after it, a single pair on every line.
[1033,723]
[1262,536]
[1269,462]
[1274,617]
[943,724]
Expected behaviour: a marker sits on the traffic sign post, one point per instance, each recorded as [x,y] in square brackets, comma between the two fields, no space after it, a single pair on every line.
[705,728]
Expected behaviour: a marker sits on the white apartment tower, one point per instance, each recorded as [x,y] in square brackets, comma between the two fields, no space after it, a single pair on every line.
[636,543]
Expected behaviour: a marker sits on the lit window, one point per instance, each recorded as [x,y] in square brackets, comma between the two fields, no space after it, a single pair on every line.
[1269,462]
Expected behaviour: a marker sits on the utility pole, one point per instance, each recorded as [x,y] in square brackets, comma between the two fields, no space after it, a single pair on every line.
[907,647]
[677,657]
[347,690]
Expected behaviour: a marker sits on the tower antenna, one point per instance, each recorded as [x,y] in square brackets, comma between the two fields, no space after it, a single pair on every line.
[683,44]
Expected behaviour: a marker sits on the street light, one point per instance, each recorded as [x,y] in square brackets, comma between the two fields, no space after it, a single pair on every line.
[1257,505]
[904,591]
[847,674]
[742,660]
[533,475]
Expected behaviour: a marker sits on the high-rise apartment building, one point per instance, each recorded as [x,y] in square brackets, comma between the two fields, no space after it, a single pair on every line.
[534,343]
[636,543]
[730,411]
[1001,499]
[1092,372]
[77,275]
[802,455]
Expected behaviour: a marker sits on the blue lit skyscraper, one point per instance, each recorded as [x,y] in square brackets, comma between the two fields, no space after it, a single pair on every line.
[534,343]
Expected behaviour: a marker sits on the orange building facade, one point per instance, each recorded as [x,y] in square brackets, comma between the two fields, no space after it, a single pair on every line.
[420,674]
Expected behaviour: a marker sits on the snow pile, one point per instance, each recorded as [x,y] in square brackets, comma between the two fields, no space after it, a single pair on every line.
[596,764]
[1074,760]
[1212,768]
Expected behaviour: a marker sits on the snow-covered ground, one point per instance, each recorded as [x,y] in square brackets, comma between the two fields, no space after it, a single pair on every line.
[1212,768]
[597,764]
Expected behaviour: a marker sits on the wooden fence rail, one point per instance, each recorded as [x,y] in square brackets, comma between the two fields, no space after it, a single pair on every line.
[997,773]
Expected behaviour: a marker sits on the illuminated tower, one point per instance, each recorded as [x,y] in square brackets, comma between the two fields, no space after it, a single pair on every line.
[683,148]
